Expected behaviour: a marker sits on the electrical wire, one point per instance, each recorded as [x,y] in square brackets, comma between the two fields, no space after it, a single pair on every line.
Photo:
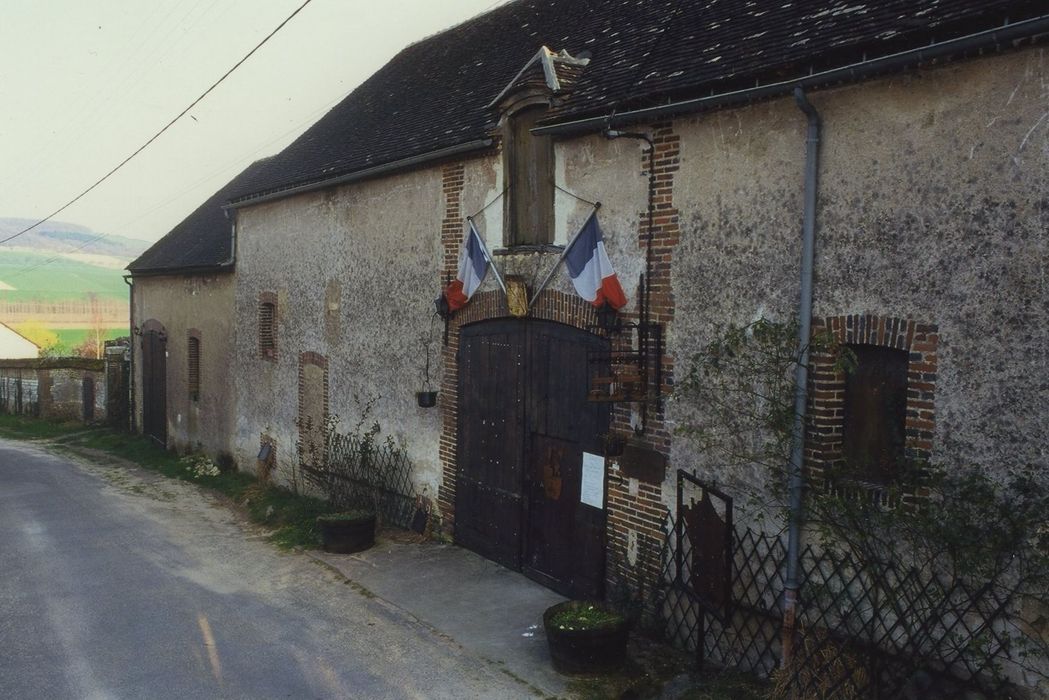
[226,168]
[159,133]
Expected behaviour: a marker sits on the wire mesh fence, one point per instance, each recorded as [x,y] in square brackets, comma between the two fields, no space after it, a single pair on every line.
[864,629]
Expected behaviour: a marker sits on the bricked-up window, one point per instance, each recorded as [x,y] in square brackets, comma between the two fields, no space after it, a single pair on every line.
[873,435]
[268,328]
[193,353]
[530,163]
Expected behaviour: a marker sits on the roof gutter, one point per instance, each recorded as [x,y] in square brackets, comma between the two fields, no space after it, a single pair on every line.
[853,72]
[358,175]
[172,271]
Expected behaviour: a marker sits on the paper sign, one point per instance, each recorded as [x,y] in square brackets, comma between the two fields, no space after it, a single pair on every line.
[592,491]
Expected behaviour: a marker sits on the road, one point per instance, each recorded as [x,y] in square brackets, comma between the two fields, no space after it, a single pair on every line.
[119,583]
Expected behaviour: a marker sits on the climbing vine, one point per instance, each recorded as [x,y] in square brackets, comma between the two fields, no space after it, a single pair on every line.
[983,529]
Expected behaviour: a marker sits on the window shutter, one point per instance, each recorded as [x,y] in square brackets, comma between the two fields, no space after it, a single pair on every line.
[875,413]
[194,369]
[267,329]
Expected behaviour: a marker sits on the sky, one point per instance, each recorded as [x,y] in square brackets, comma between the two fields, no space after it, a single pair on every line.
[83,83]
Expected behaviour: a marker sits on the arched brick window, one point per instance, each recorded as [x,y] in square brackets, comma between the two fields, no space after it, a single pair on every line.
[268,325]
[869,423]
[193,362]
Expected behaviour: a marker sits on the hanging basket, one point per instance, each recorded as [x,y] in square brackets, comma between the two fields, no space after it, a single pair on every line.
[426,399]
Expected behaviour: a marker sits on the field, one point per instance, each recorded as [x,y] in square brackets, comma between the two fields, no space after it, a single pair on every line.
[59,280]
[73,337]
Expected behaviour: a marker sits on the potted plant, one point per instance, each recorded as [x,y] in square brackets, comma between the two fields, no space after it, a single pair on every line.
[585,636]
[347,531]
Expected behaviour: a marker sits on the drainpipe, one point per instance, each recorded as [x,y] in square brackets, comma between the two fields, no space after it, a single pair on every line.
[801,375]
[129,281]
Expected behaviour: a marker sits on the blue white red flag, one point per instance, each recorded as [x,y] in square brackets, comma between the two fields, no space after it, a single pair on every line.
[590,269]
[473,266]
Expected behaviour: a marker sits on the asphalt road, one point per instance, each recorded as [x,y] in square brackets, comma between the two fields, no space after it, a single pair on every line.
[118,583]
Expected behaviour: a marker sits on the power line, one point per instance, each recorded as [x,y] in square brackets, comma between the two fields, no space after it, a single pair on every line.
[229,166]
[159,133]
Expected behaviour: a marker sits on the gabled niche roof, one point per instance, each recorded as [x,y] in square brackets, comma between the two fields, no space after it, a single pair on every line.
[554,71]
[437,94]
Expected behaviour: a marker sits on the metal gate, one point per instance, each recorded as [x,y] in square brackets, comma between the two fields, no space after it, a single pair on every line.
[524,425]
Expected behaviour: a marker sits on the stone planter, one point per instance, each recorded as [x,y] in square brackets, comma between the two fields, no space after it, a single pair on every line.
[586,650]
[345,533]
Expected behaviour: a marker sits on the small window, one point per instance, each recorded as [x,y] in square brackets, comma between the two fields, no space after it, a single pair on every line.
[875,413]
[268,329]
[194,368]
[530,162]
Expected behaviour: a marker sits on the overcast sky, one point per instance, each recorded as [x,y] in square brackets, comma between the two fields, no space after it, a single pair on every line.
[83,83]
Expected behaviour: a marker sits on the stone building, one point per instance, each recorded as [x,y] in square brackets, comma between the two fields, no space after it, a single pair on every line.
[182,325]
[14,345]
[689,124]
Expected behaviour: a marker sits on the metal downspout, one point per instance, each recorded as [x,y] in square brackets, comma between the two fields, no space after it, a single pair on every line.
[801,376]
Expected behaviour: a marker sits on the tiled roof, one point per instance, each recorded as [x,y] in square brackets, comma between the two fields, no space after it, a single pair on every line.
[202,240]
[435,94]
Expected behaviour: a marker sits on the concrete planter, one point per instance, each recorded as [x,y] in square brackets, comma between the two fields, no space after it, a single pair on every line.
[586,650]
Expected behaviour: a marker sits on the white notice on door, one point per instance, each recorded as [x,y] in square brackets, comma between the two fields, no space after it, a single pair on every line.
[592,491]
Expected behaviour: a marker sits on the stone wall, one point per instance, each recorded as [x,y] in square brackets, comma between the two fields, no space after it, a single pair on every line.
[933,210]
[353,272]
[200,306]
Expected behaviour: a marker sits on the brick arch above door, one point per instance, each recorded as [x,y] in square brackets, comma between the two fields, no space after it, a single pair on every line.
[552,305]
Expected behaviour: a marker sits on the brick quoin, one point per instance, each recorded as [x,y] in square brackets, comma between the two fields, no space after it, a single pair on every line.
[452,179]
[823,443]
[644,513]
[552,306]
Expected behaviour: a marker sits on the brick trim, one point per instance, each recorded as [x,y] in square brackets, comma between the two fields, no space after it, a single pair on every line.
[635,511]
[551,305]
[267,353]
[317,360]
[195,384]
[638,508]
[827,391]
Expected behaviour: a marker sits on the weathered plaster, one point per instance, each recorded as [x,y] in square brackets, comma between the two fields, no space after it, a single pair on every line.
[378,244]
[933,205]
[181,303]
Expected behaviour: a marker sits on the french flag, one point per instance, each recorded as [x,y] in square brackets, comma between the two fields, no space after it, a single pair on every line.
[590,269]
[473,266]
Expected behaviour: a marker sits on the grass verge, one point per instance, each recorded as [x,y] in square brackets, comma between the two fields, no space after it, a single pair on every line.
[292,517]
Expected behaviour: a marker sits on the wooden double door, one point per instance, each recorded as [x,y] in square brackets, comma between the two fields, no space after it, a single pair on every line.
[524,426]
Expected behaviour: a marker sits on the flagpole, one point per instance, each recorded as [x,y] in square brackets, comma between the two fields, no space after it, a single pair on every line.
[561,259]
[487,255]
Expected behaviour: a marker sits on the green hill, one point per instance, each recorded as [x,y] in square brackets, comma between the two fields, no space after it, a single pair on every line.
[25,277]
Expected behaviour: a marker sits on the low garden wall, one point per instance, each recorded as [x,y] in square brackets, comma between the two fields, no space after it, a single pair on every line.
[67,388]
